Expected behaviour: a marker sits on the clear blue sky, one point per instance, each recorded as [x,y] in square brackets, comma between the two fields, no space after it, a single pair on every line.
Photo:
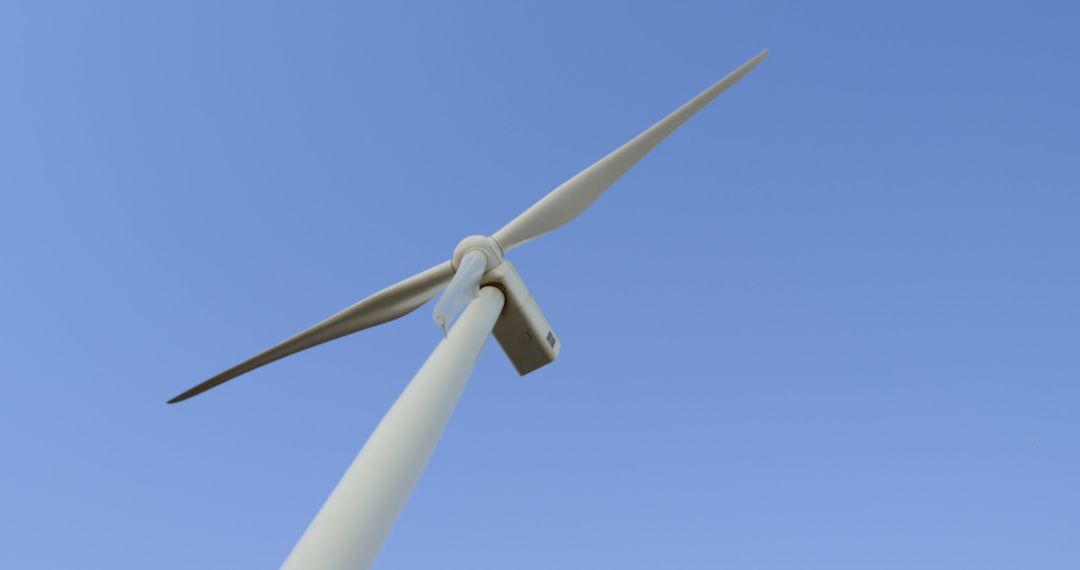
[831,323]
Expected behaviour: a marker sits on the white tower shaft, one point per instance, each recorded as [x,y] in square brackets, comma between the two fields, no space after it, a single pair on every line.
[350,528]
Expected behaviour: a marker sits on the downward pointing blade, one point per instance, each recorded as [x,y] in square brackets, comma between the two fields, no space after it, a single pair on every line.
[575,195]
[393,302]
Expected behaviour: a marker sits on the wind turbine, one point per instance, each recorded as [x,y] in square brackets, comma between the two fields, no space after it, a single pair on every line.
[490,296]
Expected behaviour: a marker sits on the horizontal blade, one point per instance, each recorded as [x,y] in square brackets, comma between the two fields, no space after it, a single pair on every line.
[395,301]
[575,195]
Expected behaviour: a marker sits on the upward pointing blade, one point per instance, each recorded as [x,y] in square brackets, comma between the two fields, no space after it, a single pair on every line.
[393,302]
[575,195]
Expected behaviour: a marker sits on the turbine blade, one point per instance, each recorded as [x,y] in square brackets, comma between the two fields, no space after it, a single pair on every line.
[575,195]
[393,302]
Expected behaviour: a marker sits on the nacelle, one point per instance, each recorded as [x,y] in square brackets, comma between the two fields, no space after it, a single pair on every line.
[522,331]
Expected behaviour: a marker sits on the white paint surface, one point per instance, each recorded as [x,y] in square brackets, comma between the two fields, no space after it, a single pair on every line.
[357,517]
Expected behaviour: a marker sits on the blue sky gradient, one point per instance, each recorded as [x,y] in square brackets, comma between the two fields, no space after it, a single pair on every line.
[833,322]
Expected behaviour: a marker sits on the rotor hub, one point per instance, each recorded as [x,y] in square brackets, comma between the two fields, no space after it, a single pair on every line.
[493,253]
